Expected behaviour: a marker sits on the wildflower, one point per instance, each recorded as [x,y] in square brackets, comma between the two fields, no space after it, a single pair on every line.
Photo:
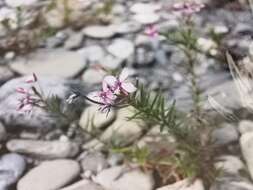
[187,8]
[31,79]
[151,31]
[119,85]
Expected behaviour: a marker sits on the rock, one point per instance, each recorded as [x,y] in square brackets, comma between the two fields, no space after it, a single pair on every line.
[3,133]
[23,3]
[145,8]
[93,161]
[184,185]
[44,149]
[9,55]
[245,126]
[225,135]
[144,56]
[116,178]
[5,74]
[10,15]
[12,167]
[93,76]
[146,18]
[221,30]
[83,185]
[100,32]
[128,27]
[122,131]
[110,62]
[94,54]
[121,48]
[38,118]
[230,164]
[50,175]
[246,142]
[115,159]
[74,41]
[92,119]
[57,40]
[206,45]
[48,62]
[232,183]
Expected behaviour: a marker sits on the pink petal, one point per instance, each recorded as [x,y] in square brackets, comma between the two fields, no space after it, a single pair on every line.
[110,81]
[123,75]
[31,79]
[128,87]
[95,96]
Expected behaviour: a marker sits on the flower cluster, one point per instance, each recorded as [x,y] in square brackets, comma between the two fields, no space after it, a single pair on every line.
[187,8]
[114,91]
[29,99]
[152,31]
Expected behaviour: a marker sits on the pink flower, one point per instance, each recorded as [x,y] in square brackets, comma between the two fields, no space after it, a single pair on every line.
[119,85]
[151,31]
[187,8]
[31,79]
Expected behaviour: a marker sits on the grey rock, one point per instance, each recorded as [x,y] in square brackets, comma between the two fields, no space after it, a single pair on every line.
[44,149]
[48,62]
[128,27]
[83,185]
[100,32]
[50,175]
[24,3]
[3,134]
[12,167]
[74,41]
[94,53]
[225,135]
[144,56]
[116,178]
[184,185]
[231,183]
[230,164]
[92,119]
[145,8]
[115,159]
[5,74]
[93,76]
[93,161]
[121,48]
[110,62]
[146,19]
[246,143]
[245,126]
[38,118]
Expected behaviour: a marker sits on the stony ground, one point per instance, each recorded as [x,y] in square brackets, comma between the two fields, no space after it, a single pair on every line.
[38,153]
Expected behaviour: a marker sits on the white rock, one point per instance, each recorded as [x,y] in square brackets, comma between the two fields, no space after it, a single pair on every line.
[146,18]
[50,175]
[120,178]
[93,119]
[110,62]
[93,76]
[230,164]
[94,53]
[44,149]
[93,161]
[184,185]
[221,30]
[246,142]
[83,185]
[10,15]
[122,130]
[12,167]
[100,32]
[245,126]
[38,118]
[121,48]
[144,8]
[74,41]
[206,44]
[9,55]
[23,3]
[48,63]
[225,135]
[128,27]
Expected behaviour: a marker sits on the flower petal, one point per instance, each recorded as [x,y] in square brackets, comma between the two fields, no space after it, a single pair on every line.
[110,81]
[128,87]
[95,96]
[123,75]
